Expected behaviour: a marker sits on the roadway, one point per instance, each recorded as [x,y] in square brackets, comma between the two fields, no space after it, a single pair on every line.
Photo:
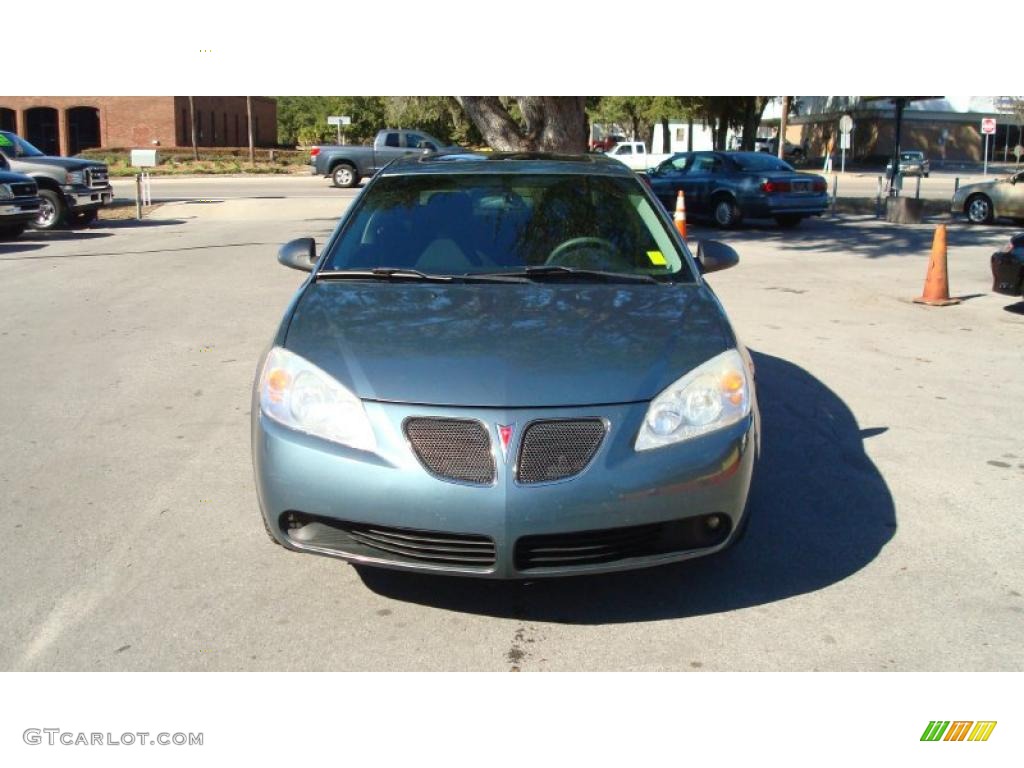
[885,531]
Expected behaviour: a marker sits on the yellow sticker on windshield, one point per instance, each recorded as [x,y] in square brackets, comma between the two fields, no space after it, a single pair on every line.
[657,258]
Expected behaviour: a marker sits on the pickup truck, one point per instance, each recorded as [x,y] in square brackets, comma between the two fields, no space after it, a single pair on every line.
[634,155]
[71,190]
[19,201]
[347,164]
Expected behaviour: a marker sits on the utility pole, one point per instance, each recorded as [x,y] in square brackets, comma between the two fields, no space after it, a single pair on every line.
[192,120]
[783,120]
[252,145]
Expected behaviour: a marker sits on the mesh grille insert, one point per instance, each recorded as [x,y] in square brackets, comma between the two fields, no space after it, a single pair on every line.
[554,450]
[453,449]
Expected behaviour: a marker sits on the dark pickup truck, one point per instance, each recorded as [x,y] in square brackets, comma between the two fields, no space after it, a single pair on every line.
[71,189]
[347,164]
[19,201]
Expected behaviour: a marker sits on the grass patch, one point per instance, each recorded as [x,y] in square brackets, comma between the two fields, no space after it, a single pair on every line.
[214,160]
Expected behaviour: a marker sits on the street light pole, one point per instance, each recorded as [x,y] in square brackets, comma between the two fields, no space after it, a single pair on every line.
[900,104]
[252,145]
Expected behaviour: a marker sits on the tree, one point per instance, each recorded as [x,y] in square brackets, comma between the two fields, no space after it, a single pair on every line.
[248,117]
[529,123]
[192,126]
[303,119]
[783,119]
[440,116]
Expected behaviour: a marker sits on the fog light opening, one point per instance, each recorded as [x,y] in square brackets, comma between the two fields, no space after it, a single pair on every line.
[713,522]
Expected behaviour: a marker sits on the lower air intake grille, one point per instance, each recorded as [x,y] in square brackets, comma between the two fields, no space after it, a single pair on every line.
[606,546]
[555,450]
[452,449]
[404,545]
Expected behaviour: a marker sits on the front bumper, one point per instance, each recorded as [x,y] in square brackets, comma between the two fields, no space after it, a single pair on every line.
[86,198]
[307,484]
[19,210]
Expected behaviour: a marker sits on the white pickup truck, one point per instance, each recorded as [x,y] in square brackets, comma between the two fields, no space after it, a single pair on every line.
[635,155]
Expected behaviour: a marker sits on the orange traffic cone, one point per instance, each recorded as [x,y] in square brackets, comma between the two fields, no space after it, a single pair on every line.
[936,283]
[680,215]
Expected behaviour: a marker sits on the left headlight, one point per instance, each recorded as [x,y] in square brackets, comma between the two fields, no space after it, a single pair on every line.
[5,192]
[711,396]
[297,394]
[72,178]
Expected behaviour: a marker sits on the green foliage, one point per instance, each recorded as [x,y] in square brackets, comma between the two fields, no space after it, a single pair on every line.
[303,119]
[440,116]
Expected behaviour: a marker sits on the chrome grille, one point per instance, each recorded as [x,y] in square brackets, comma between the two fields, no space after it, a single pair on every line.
[452,449]
[24,189]
[97,177]
[555,450]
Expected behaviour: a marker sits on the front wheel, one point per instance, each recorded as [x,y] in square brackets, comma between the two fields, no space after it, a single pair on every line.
[979,210]
[83,218]
[51,210]
[12,231]
[725,213]
[788,221]
[344,176]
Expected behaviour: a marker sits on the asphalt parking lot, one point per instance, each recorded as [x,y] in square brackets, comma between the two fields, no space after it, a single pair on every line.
[885,532]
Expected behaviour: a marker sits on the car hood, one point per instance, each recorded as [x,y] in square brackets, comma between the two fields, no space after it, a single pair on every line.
[509,345]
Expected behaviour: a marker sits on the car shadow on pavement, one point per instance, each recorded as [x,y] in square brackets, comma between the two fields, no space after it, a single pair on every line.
[820,511]
[1015,309]
[861,235]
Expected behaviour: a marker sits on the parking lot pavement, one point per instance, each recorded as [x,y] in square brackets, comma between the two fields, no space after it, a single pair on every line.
[885,532]
[265,187]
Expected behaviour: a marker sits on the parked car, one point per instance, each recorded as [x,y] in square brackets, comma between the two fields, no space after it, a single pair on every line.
[1008,267]
[912,163]
[771,146]
[347,164]
[728,186]
[606,143]
[19,201]
[987,201]
[633,154]
[505,365]
[71,190]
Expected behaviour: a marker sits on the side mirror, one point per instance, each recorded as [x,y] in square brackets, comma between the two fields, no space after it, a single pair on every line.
[713,256]
[298,254]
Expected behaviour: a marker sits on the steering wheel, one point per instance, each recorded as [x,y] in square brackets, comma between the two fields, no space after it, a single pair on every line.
[561,255]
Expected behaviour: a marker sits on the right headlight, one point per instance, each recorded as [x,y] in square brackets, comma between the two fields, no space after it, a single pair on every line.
[711,396]
[297,394]
[5,192]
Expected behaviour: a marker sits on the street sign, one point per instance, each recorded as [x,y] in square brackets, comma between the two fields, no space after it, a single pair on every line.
[1018,151]
[143,158]
[846,124]
[844,141]
[988,125]
[339,120]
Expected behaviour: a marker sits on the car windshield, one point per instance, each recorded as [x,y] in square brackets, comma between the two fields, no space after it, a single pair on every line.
[759,161]
[13,145]
[465,224]
[911,156]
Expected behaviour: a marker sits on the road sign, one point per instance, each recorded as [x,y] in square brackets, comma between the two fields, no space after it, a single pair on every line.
[846,124]
[1018,151]
[339,120]
[988,125]
[844,141]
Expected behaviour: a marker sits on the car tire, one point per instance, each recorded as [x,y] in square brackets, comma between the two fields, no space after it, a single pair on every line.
[979,209]
[724,212]
[926,175]
[788,221]
[52,211]
[12,231]
[83,218]
[266,529]
[344,176]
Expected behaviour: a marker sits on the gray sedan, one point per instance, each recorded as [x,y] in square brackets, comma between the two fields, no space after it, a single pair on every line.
[505,366]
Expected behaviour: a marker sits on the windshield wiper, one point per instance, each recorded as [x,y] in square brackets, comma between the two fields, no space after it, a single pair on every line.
[552,270]
[383,273]
[404,273]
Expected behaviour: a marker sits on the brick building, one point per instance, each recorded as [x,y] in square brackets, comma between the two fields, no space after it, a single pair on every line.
[66,125]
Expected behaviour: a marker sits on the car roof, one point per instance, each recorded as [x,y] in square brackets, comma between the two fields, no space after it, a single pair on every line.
[506,162]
